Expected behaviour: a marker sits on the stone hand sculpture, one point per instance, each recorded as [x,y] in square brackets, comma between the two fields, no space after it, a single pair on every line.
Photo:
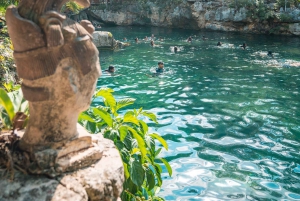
[59,66]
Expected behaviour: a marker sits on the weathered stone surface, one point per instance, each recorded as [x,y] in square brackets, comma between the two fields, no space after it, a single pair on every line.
[59,65]
[101,181]
[105,40]
[199,14]
[295,28]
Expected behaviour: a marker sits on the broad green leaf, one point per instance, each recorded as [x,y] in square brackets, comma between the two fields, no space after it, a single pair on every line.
[158,171]
[7,104]
[123,132]
[150,144]
[158,151]
[140,141]
[150,179]
[150,115]
[126,172]
[134,150]
[84,116]
[108,97]
[104,115]
[129,118]
[137,172]
[124,102]
[169,168]
[160,139]
[144,126]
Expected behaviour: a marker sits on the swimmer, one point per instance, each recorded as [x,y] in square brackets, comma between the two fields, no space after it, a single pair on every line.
[270,54]
[152,43]
[243,46]
[146,38]
[160,68]
[189,39]
[124,39]
[175,49]
[152,37]
[111,69]
[136,39]
[219,44]
[203,38]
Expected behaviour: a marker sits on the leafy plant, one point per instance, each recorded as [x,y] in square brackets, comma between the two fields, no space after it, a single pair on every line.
[136,145]
[13,109]
[71,6]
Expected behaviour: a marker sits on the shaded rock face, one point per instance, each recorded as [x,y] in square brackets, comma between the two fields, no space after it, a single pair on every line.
[199,14]
[101,181]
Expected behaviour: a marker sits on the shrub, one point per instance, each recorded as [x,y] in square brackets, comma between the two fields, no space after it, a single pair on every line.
[136,145]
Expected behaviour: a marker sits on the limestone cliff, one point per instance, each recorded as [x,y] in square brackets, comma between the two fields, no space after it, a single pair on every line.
[223,15]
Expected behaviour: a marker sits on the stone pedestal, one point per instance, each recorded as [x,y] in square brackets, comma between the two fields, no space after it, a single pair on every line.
[101,181]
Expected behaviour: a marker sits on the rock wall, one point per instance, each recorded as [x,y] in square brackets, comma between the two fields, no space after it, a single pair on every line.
[201,14]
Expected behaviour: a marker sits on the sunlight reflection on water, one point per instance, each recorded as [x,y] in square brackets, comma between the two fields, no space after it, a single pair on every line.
[231,116]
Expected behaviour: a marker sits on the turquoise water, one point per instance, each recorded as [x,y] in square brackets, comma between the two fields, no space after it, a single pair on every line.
[231,116]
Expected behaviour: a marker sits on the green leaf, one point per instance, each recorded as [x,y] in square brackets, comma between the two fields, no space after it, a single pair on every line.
[169,168]
[137,172]
[158,171]
[126,172]
[160,139]
[123,132]
[140,141]
[107,95]
[144,126]
[7,104]
[158,151]
[150,179]
[83,116]
[124,102]
[104,115]
[129,118]
[150,115]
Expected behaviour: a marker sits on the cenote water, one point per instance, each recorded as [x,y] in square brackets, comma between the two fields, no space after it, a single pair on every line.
[231,116]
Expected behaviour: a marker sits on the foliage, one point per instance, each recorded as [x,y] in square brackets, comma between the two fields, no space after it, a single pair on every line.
[136,145]
[11,103]
[71,7]
[284,17]
[261,12]
[7,66]
[287,3]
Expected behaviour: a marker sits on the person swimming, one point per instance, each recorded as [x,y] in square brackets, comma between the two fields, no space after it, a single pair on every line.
[270,54]
[111,69]
[189,39]
[175,49]
[219,44]
[152,43]
[243,46]
[136,39]
[203,38]
[160,68]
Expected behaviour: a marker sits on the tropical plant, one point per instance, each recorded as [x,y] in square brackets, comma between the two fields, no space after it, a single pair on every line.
[13,109]
[71,7]
[136,145]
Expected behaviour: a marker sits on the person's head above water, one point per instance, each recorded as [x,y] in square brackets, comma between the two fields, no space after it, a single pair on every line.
[270,54]
[175,49]
[243,46]
[152,43]
[219,43]
[160,64]
[111,69]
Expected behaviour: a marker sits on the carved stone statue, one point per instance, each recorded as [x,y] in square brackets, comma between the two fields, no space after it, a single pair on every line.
[59,67]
